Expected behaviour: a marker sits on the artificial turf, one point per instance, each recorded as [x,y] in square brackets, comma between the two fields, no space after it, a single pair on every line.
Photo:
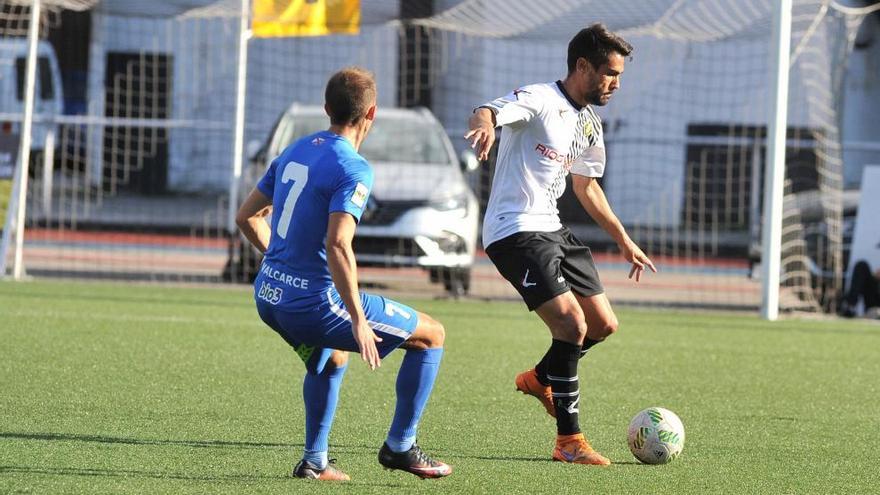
[115,388]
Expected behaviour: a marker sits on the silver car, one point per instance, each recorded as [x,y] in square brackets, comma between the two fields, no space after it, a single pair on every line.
[421,212]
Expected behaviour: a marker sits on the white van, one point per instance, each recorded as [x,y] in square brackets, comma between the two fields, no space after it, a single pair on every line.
[48,94]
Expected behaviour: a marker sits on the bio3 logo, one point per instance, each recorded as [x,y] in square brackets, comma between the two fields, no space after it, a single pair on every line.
[271,295]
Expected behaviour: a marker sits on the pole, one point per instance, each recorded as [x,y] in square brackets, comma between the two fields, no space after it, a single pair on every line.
[25,147]
[240,97]
[9,225]
[774,174]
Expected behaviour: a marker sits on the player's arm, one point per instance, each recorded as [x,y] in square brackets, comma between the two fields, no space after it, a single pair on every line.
[513,109]
[592,198]
[482,131]
[343,270]
[251,219]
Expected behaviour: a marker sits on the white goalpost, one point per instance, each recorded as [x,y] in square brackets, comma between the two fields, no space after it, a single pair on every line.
[17,209]
[775,172]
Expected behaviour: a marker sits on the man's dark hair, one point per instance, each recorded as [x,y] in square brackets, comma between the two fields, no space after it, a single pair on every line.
[595,44]
[349,94]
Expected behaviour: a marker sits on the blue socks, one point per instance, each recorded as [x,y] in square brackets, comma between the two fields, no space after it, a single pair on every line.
[415,380]
[414,383]
[320,394]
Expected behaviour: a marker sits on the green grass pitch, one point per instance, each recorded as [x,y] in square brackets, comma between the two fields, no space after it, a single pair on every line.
[115,388]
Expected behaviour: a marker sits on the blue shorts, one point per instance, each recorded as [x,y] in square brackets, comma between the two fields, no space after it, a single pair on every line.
[326,325]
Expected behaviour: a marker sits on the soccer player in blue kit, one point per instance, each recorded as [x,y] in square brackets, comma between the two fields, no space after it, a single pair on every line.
[307,287]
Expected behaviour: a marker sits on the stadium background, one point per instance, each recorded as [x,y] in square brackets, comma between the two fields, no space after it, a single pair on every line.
[136,178]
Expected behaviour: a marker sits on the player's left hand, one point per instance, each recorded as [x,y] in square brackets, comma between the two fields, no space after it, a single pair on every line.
[366,340]
[638,258]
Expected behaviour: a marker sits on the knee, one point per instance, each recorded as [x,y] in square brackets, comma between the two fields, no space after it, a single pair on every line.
[430,334]
[606,328]
[573,326]
[611,326]
[338,359]
[437,336]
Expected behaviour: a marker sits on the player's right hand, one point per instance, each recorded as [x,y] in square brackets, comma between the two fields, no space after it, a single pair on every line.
[481,136]
[366,340]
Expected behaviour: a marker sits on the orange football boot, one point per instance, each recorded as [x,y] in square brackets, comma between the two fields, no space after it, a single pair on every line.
[575,449]
[527,383]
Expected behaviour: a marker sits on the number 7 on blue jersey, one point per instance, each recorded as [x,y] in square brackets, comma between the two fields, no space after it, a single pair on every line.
[299,174]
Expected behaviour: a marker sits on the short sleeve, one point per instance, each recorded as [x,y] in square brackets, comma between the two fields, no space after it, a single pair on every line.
[352,191]
[267,183]
[591,163]
[519,106]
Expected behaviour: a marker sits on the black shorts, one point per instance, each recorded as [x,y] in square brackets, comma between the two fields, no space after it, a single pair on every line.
[543,265]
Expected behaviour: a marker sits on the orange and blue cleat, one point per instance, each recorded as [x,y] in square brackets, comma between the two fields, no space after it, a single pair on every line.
[575,449]
[527,383]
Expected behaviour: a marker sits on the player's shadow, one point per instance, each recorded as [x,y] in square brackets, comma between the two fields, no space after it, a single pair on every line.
[504,458]
[144,441]
[132,473]
[67,437]
[223,444]
[535,459]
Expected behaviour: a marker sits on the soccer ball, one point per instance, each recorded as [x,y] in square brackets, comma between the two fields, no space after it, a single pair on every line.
[656,436]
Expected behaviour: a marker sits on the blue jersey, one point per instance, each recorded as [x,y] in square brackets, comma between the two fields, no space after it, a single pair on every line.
[315,176]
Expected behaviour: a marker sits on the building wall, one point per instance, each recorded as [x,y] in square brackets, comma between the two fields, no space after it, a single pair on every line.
[667,85]
[862,103]
[280,71]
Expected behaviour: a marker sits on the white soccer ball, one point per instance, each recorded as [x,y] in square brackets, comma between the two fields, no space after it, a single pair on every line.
[656,436]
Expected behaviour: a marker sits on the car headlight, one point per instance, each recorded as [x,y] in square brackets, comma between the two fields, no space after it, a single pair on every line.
[450,242]
[450,202]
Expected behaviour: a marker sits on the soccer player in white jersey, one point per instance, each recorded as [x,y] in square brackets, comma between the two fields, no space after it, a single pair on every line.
[307,288]
[548,131]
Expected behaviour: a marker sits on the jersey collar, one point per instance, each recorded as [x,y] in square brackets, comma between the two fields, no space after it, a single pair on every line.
[567,97]
[328,134]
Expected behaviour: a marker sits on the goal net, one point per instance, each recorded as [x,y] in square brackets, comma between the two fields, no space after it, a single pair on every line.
[133,163]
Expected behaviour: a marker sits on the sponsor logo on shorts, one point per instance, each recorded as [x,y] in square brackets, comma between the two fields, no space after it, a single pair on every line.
[271,295]
[561,279]
[525,280]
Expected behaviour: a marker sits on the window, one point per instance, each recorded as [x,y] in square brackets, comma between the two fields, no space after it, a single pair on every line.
[44,78]
[392,139]
[724,172]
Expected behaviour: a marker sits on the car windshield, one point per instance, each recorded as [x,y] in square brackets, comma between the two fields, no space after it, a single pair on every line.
[392,139]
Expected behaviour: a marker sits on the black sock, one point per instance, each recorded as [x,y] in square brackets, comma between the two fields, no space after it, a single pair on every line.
[541,367]
[588,342]
[562,373]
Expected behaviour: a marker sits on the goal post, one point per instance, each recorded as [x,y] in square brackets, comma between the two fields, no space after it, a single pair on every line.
[775,171]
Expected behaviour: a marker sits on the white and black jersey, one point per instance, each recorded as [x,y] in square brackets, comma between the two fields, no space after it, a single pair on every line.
[544,136]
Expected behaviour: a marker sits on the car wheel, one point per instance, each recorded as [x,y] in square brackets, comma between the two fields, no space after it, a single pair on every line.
[456,281]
